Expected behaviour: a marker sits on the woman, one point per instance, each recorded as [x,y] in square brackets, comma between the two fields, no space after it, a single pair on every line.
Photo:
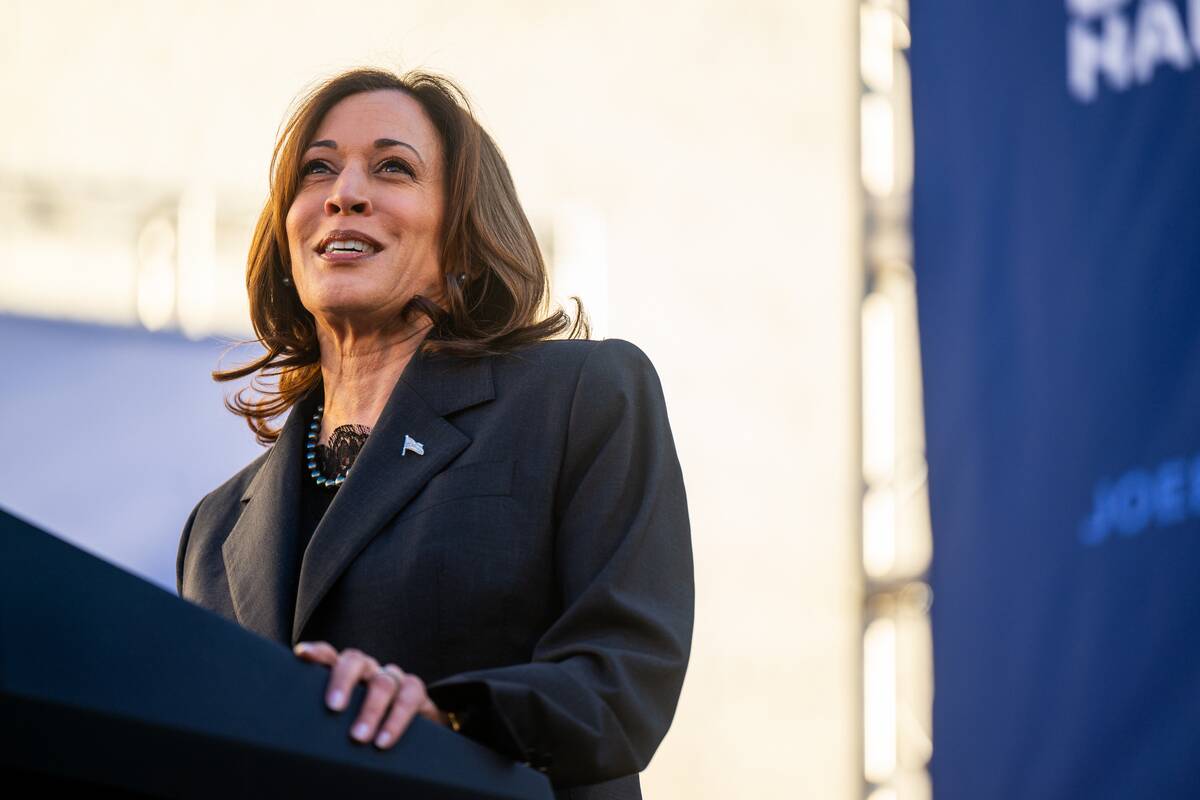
[485,524]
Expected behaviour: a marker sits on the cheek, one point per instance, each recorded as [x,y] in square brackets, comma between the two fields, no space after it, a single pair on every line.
[429,238]
[418,214]
[298,224]
[290,228]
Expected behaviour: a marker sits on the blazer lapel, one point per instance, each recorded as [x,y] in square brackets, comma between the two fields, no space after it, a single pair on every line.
[384,476]
[260,552]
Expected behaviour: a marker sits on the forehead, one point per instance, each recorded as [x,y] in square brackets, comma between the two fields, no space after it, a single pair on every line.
[355,122]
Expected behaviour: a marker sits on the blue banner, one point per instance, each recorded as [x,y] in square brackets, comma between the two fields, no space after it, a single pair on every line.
[1057,253]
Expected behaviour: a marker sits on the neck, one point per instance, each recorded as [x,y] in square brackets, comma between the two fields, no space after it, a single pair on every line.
[360,371]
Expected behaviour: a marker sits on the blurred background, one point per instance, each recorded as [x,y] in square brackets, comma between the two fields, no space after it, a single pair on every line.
[749,192]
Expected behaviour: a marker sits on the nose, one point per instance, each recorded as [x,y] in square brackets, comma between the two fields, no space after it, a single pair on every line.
[348,195]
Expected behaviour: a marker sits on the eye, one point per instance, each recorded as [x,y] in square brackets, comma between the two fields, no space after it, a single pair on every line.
[395,162]
[308,167]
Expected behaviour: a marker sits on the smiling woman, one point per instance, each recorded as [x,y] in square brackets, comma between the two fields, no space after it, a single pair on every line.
[492,282]
[487,526]
[348,274]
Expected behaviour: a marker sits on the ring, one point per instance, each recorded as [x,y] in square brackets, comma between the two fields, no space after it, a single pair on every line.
[394,672]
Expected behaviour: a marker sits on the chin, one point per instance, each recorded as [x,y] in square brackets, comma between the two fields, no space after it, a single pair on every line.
[345,301]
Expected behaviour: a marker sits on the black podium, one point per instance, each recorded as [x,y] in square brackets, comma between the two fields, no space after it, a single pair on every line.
[111,686]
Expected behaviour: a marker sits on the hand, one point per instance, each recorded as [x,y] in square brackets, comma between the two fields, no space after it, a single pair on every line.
[387,684]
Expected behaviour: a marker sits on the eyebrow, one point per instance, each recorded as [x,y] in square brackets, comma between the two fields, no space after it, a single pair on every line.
[380,144]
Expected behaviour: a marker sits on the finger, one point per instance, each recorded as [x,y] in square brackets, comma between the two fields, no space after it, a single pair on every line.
[352,666]
[410,698]
[389,732]
[396,673]
[381,691]
[319,652]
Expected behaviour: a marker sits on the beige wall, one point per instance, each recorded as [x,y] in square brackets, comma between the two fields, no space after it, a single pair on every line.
[693,168]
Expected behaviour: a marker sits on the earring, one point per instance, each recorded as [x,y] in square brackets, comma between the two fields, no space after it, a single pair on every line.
[462,278]
[287,281]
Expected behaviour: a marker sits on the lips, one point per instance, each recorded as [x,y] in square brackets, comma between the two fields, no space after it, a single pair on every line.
[349,242]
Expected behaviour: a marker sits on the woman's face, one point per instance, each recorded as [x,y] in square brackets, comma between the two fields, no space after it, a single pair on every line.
[363,229]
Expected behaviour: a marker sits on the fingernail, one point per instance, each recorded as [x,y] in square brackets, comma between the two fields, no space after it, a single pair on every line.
[336,698]
[301,648]
[360,731]
[383,738]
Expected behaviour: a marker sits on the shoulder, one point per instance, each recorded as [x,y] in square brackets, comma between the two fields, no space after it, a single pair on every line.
[214,512]
[600,384]
[574,359]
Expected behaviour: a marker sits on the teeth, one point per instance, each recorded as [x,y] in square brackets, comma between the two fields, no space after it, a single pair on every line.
[347,245]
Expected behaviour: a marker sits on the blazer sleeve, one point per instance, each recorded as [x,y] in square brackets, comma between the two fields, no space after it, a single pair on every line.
[604,680]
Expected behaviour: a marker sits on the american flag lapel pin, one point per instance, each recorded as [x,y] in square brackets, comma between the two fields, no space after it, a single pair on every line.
[413,445]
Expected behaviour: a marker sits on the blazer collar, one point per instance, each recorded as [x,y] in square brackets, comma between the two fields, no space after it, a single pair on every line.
[260,553]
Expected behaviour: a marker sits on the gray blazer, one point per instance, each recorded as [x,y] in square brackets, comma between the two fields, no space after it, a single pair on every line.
[533,566]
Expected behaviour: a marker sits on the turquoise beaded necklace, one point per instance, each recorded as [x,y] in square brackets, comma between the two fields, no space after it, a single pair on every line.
[310,451]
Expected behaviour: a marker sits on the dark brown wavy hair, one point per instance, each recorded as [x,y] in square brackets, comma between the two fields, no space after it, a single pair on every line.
[500,306]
